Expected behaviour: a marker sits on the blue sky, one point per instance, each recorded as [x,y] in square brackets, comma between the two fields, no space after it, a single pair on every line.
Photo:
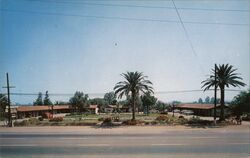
[64,46]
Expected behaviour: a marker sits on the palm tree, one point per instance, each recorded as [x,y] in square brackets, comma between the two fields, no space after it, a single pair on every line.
[135,82]
[226,77]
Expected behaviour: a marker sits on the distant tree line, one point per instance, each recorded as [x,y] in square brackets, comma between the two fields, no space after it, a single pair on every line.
[207,100]
[41,101]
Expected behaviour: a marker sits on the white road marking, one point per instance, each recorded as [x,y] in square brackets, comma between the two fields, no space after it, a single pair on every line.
[91,145]
[17,145]
[12,138]
[75,138]
[168,144]
[239,143]
[48,145]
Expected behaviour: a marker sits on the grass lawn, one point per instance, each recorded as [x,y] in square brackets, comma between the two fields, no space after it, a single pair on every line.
[111,119]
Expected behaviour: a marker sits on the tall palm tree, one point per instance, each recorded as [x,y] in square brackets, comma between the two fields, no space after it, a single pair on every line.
[226,77]
[135,82]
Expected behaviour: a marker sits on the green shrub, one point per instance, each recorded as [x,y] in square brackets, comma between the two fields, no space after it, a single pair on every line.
[29,122]
[164,113]
[154,123]
[40,118]
[246,117]
[116,118]
[107,120]
[100,119]
[181,117]
[198,121]
[133,122]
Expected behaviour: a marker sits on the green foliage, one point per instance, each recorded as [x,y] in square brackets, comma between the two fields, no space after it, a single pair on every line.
[134,83]
[133,122]
[39,100]
[200,101]
[100,102]
[226,77]
[3,105]
[207,100]
[46,100]
[79,100]
[241,103]
[110,98]
[197,121]
[161,106]
[29,122]
[61,103]
[148,101]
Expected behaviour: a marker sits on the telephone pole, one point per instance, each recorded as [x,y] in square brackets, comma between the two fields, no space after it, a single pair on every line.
[8,93]
[215,91]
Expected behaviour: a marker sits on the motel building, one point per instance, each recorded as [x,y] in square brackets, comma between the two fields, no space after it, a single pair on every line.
[20,112]
[201,109]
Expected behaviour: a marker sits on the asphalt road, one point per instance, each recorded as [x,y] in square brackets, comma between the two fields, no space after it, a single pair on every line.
[181,143]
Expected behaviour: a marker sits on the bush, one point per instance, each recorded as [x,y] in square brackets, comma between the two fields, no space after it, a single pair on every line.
[116,118]
[246,117]
[107,120]
[100,119]
[33,121]
[133,122]
[162,118]
[40,118]
[181,117]
[29,122]
[56,119]
[182,120]
[198,121]
[164,113]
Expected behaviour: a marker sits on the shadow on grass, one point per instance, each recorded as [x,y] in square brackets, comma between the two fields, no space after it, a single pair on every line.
[106,126]
[203,126]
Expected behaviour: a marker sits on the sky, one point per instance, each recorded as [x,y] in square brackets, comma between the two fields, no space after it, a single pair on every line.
[75,45]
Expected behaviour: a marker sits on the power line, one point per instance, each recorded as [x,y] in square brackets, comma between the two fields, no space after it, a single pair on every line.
[143,6]
[187,36]
[158,92]
[120,18]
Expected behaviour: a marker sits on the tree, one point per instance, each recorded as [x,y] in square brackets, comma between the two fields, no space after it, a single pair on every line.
[61,103]
[207,100]
[110,98]
[100,102]
[241,103]
[226,77]
[135,82]
[161,106]
[148,101]
[79,101]
[3,104]
[46,100]
[39,100]
[200,101]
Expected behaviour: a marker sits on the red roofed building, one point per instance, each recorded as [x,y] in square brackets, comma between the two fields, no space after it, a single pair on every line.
[200,109]
[34,111]
[44,110]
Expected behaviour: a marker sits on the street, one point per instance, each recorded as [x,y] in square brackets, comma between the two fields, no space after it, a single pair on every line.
[176,142]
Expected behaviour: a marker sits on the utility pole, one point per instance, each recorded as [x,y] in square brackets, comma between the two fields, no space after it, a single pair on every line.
[215,91]
[8,93]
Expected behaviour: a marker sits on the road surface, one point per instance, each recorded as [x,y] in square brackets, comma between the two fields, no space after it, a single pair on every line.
[138,142]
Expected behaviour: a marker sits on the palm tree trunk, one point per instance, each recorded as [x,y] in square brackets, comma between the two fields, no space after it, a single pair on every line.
[133,108]
[222,103]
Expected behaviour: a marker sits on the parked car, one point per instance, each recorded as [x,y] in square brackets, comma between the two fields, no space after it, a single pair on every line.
[187,112]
